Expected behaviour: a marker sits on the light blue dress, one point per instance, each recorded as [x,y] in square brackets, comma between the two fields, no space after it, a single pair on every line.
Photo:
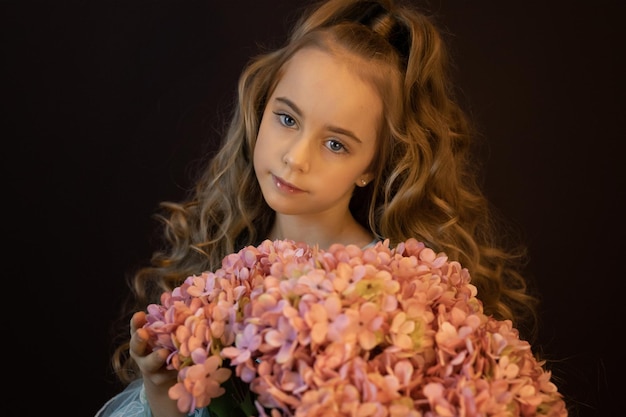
[131,402]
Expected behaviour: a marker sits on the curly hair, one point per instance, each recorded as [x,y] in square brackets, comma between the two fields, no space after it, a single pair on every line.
[425,177]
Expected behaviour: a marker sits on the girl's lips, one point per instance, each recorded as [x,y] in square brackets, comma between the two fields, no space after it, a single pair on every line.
[285,186]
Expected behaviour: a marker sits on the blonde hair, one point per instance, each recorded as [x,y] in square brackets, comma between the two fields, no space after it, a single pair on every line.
[425,184]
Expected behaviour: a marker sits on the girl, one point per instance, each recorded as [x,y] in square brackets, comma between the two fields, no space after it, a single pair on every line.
[347,134]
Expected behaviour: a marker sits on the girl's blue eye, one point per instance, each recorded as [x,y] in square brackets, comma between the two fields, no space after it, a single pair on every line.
[286,120]
[335,146]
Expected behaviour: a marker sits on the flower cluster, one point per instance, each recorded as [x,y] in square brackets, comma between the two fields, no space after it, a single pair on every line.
[347,331]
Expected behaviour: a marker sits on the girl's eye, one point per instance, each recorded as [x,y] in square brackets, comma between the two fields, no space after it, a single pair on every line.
[335,146]
[286,120]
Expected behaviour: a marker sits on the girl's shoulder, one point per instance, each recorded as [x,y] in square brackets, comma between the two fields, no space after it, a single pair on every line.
[131,402]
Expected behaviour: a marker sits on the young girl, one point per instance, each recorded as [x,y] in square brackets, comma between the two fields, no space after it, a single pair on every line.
[348,134]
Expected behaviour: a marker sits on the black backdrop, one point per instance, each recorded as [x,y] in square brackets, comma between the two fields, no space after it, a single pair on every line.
[108,105]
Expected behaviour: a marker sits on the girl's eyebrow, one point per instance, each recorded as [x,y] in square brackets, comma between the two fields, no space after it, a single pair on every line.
[335,129]
[291,104]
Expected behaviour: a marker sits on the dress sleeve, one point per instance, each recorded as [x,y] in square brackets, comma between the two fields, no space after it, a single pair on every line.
[132,403]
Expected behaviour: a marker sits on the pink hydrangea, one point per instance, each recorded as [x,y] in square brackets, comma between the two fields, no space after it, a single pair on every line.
[376,332]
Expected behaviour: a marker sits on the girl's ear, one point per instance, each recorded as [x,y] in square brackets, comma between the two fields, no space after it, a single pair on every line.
[364,179]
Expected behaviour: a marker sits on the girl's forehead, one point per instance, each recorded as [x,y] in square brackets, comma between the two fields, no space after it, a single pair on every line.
[313,64]
[325,88]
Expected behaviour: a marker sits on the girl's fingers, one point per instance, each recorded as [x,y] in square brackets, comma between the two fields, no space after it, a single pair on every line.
[151,363]
[138,343]
[137,321]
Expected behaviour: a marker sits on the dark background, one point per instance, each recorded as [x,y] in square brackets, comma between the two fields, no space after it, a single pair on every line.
[109,104]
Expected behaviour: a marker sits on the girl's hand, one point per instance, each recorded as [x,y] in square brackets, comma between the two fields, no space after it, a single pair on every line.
[157,379]
[151,364]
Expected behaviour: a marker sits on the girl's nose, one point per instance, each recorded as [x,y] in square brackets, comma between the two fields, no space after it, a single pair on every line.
[297,156]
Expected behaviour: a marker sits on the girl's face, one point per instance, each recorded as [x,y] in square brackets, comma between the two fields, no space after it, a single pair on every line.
[317,135]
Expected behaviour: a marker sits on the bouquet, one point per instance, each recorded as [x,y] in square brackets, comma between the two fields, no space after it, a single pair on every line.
[284,329]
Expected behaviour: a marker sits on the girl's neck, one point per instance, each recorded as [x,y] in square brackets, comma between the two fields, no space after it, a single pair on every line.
[320,232]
